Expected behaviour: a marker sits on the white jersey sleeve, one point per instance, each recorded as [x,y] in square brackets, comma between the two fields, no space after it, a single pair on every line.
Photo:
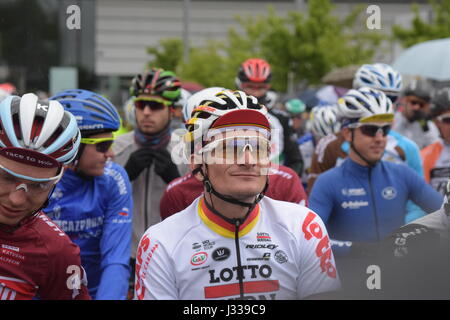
[317,266]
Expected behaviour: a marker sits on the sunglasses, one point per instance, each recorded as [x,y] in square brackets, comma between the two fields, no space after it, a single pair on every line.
[102,145]
[32,186]
[413,102]
[154,104]
[371,130]
[255,86]
[232,149]
[444,118]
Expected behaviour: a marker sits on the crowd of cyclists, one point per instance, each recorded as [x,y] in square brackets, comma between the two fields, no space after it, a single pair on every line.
[274,198]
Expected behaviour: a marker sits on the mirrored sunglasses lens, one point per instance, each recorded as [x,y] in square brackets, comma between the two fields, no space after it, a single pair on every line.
[258,148]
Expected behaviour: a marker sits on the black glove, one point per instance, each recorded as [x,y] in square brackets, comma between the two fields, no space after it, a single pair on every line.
[164,167]
[139,160]
[411,240]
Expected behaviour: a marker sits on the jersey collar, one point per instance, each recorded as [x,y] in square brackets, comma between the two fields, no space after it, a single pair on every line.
[225,228]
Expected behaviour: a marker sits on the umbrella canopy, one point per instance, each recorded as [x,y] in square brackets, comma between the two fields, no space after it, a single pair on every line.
[430,59]
[341,77]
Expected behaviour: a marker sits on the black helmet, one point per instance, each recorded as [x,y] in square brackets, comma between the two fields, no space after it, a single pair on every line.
[157,82]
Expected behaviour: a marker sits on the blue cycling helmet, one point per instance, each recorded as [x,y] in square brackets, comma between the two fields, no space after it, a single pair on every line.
[94,113]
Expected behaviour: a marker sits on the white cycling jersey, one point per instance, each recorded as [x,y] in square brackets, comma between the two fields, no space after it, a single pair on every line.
[282,248]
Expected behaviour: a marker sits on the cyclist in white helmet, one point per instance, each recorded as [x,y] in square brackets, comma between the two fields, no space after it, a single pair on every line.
[213,248]
[37,259]
[323,120]
[333,149]
[284,183]
[364,200]
[379,76]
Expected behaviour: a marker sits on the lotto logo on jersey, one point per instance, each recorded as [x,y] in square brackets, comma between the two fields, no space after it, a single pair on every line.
[199,258]
[323,250]
[263,236]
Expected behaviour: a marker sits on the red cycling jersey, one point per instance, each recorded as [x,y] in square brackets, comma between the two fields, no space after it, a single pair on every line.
[37,259]
[284,185]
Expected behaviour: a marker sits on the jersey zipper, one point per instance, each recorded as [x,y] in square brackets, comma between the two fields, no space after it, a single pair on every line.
[240,274]
[377,230]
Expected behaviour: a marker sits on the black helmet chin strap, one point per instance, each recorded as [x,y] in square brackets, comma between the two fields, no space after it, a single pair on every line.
[352,145]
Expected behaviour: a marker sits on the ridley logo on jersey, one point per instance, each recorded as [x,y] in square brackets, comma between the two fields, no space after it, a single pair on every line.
[199,258]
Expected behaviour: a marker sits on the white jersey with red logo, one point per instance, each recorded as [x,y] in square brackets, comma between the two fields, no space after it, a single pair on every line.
[281,248]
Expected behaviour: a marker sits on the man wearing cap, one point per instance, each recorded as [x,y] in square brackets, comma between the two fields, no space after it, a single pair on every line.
[233,242]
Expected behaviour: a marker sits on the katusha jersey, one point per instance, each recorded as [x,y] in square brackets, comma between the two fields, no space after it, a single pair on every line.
[281,248]
[38,260]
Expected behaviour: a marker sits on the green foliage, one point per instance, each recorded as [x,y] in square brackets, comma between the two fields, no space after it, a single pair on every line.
[308,45]
[420,30]
[167,55]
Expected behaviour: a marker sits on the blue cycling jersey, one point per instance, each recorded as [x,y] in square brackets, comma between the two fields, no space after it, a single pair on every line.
[366,204]
[96,214]
[412,159]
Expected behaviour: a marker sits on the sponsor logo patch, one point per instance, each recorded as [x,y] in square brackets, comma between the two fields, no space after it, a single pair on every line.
[199,258]
[221,254]
[281,256]
[263,236]
[389,193]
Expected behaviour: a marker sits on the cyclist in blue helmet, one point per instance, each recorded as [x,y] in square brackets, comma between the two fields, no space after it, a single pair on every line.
[93,203]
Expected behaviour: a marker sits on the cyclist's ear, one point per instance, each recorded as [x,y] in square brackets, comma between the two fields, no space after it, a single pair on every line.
[198,173]
[346,133]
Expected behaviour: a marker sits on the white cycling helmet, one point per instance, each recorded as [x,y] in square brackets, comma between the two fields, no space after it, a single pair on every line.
[379,76]
[365,105]
[214,107]
[271,99]
[3,94]
[194,100]
[324,120]
[39,128]
[185,95]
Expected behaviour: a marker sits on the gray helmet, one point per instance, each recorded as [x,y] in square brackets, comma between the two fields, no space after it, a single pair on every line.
[420,88]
